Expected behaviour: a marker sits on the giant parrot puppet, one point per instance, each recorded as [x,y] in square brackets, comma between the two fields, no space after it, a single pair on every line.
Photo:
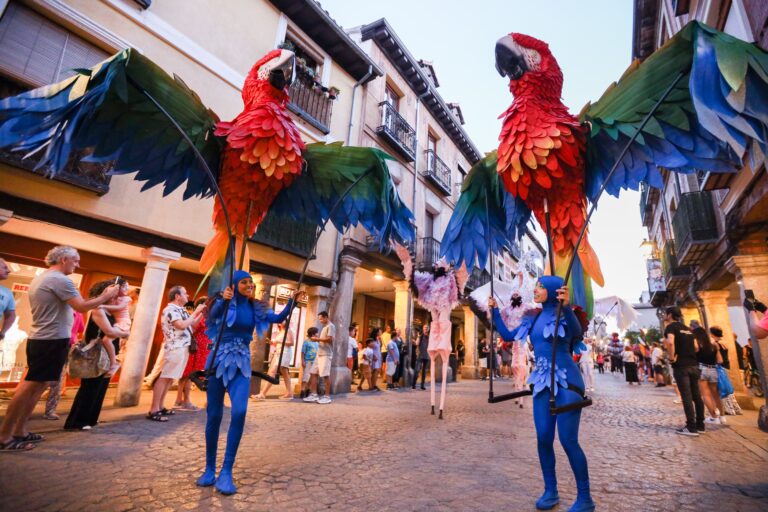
[128,111]
[698,103]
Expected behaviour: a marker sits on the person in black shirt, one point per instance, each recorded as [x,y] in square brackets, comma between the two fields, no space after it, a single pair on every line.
[708,357]
[682,347]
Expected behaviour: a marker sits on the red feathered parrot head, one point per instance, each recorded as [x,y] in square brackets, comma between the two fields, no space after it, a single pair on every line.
[529,65]
[273,73]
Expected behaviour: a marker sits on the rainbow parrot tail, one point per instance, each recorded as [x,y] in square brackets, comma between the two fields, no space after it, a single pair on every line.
[580,282]
[215,264]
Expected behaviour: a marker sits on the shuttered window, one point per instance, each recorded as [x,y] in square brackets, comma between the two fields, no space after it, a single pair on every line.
[36,51]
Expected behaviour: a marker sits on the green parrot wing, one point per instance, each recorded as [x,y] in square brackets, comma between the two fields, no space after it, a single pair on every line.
[485,211]
[348,186]
[103,113]
[705,123]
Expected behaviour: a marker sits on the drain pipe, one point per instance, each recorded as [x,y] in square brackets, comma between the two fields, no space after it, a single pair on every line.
[337,242]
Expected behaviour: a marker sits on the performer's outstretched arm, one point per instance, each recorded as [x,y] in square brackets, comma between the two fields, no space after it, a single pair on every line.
[498,324]
[278,318]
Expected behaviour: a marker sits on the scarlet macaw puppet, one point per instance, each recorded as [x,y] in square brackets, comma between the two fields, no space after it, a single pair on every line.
[114,112]
[438,291]
[715,109]
[695,104]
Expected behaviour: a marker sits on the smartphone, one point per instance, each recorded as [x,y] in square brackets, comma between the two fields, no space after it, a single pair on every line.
[749,295]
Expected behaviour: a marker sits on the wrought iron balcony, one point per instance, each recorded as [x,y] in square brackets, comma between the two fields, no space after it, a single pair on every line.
[676,275]
[478,278]
[427,252]
[517,251]
[437,172]
[286,234]
[694,225]
[311,104]
[397,132]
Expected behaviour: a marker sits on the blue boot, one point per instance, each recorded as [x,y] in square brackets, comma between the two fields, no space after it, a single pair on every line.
[548,500]
[224,483]
[583,501]
[208,478]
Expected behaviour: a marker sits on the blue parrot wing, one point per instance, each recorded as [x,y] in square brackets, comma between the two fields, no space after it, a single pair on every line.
[100,115]
[712,115]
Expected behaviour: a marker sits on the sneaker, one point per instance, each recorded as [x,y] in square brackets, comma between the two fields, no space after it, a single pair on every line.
[701,429]
[677,401]
[721,419]
[710,419]
[312,398]
[325,399]
[87,427]
[53,416]
[685,432]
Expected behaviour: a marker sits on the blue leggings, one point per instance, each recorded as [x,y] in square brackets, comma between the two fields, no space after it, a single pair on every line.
[238,394]
[568,430]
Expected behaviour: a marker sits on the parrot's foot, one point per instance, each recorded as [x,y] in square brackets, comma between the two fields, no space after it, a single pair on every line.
[208,478]
[582,505]
[433,410]
[441,414]
[548,500]
[224,483]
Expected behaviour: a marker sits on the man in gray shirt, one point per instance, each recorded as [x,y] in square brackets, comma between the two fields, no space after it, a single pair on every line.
[52,296]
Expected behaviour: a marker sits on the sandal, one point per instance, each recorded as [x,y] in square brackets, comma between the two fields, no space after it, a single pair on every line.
[167,412]
[157,416]
[17,445]
[31,437]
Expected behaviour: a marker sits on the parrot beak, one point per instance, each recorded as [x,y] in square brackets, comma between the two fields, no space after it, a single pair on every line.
[283,72]
[509,60]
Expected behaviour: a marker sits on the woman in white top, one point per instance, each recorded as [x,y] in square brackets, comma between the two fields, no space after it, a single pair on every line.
[285,363]
[630,365]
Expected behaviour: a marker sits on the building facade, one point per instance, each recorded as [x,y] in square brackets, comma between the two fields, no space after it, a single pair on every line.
[709,231]
[153,241]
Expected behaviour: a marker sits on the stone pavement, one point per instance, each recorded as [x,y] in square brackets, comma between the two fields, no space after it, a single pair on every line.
[372,452]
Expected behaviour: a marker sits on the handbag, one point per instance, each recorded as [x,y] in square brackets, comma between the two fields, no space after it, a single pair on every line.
[724,385]
[88,360]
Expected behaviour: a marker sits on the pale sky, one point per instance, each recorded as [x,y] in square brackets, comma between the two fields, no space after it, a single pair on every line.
[591,40]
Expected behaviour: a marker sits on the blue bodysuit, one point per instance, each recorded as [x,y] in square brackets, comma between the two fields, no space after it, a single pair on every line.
[569,388]
[233,375]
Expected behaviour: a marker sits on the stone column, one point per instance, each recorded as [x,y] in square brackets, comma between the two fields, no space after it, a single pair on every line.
[151,298]
[470,369]
[5,216]
[402,316]
[258,346]
[716,307]
[751,271]
[341,315]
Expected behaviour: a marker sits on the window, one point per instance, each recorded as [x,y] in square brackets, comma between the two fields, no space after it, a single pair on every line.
[310,99]
[431,152]
[391,97]
[429,224]
[35,51]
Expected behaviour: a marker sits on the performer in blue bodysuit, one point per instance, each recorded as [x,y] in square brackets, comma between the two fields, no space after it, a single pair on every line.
[233,371]
[539,325]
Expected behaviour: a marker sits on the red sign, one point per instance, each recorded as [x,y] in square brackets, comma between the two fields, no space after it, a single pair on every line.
[21,288]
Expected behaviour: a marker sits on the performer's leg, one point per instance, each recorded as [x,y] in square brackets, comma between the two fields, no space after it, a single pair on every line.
[545,440]
[432,380]
[214,411]
[568,431]
[238,395]
[444,384]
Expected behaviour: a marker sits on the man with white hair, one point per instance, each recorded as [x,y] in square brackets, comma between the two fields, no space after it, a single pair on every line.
[52,296]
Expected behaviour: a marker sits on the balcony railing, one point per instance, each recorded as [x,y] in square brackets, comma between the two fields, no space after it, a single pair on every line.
[676,276]
[517,251]
[437,172]
[427,252]
[397,132]
[694,225]
[310,104]
[478,278]
[286,234]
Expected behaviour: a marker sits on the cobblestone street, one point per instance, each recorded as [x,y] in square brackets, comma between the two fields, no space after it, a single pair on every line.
[385,452]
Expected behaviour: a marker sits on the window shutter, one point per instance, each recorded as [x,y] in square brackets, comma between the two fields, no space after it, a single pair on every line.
[36,51]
